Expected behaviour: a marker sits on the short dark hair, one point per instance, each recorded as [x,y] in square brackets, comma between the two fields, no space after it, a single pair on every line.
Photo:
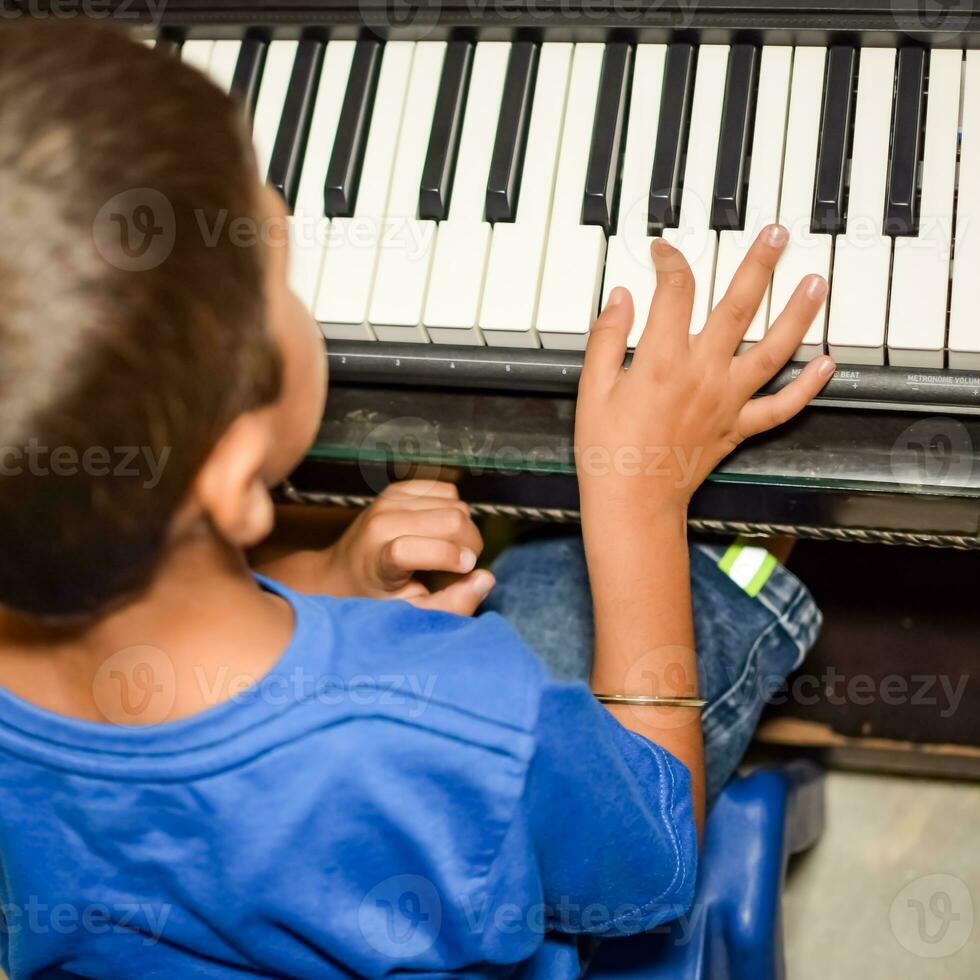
[123,325]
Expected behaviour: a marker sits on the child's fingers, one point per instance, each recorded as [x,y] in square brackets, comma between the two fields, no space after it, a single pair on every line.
[669,319]
[410,592]
[762,414]
[766,357]
[410,553]
[451,523]
[406,503]
[606,347]
[463,597]
[731,317]
[422,488]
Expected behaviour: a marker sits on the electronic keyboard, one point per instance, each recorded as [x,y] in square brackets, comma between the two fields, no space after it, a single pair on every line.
[467,183]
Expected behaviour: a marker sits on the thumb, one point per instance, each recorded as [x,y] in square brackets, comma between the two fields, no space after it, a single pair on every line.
[606,347]
[463,597]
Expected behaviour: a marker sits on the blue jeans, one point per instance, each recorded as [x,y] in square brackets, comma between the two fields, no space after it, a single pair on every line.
[746,645]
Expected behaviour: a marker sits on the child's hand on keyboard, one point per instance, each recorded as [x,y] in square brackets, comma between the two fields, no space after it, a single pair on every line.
[648,437]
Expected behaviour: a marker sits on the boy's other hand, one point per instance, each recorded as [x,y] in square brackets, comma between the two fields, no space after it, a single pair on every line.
[647,437]
[413,527]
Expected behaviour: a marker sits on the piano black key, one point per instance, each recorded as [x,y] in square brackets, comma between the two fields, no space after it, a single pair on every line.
[294,128]
[607,131]
[169,44]
[344,170]
[835,127]
[727,201]
[248,73]
[447,123]
[675,109]
[900,206]
[507,162]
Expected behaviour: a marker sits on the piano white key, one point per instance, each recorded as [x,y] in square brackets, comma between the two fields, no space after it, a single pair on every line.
[693,235]
[964,320]
[762,196]
[272,97]
[197,54]
[858,301]
[398,295]
[573,258]
[452,305]
[628,261]
[352,247]
[805,253]
[221,67]
[920,268]
[308,226]
[510,297]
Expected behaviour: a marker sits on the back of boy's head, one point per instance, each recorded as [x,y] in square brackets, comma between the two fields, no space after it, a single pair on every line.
[131,321]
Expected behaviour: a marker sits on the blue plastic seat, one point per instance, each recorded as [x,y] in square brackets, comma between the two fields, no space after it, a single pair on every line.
[734,929]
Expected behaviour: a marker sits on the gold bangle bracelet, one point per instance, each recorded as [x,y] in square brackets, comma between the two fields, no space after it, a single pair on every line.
[653,702]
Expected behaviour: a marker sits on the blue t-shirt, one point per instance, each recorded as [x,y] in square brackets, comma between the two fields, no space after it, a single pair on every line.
[406,793]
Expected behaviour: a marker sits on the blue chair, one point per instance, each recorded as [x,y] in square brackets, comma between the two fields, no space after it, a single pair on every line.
[734,929]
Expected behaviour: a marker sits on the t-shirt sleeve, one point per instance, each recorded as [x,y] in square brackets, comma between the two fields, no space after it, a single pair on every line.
[611,817]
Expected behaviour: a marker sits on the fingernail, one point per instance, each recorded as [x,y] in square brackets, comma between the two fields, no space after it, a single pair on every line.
[467,560]
[661,247]
[616,297]
[483,583]
[816,288]
[827,367]
[776,235]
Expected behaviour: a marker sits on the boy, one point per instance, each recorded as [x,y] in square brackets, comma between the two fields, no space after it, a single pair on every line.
[299,785]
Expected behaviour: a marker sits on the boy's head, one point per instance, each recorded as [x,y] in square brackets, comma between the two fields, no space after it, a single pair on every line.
[156,373]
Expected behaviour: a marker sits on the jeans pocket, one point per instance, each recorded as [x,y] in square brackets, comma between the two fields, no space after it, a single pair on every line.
[775,636]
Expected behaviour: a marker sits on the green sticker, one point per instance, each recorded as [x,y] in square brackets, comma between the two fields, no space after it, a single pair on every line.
[748,566]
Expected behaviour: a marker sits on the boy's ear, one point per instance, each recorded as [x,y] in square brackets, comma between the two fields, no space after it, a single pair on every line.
[230,487]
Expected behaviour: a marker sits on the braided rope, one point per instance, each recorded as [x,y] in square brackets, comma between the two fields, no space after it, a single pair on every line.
[748,529]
